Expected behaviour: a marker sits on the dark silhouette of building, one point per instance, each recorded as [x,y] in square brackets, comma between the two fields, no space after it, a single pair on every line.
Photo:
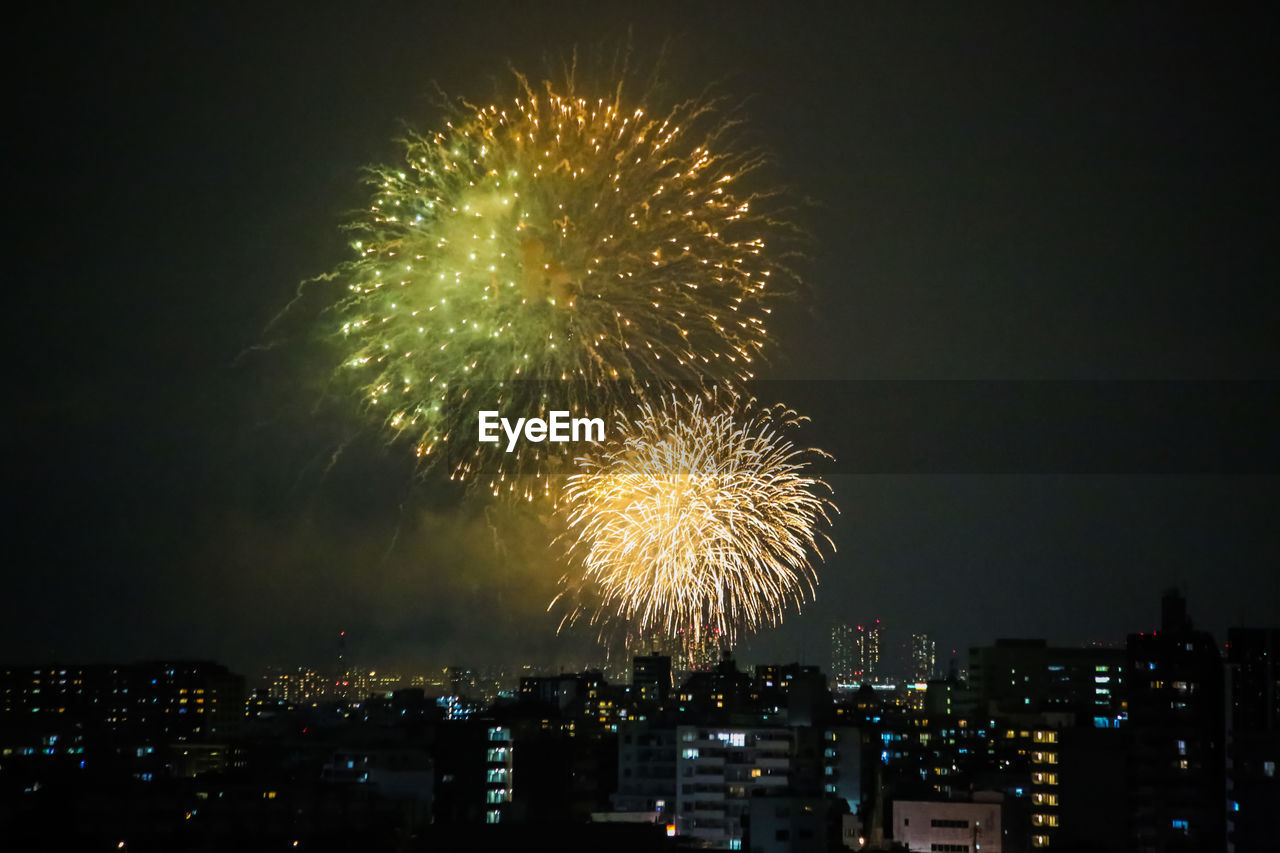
[1177,731]
[647,769]
[1254,744]
[651,678]
[1029,676]
[145,702]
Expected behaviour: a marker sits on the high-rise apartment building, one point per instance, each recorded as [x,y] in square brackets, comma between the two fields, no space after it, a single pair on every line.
[844,656]
[869,652]
[855,654]
[924,657]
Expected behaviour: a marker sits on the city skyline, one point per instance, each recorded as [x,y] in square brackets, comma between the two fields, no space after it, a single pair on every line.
[1130,747]
[782,428]
[1052,196]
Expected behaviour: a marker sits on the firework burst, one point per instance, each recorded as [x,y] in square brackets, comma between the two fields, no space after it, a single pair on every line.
[557,250]
[694,520]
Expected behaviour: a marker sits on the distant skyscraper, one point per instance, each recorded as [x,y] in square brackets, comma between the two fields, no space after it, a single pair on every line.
[844,655]
[855,654]
[700,653]
[924,657]
[687,652]
[869,652]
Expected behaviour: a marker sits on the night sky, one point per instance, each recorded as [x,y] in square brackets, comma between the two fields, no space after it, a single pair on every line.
[991,192]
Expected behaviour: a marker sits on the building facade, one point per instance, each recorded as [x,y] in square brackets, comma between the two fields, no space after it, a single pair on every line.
[950,826]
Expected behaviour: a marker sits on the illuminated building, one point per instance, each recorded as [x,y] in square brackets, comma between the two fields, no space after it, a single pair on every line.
[474,778]
[499,773]
[361,684]
[868,653]
[301,686]
[924,657]
[155,700]
[430,684]
[1046,786]
[855,655]
[844,657]
[456,708]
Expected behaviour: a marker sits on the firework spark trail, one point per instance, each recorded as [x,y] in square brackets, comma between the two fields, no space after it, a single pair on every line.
[694,519]
[556,250]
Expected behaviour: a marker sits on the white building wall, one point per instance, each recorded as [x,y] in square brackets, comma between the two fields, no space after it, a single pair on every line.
[947,827]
